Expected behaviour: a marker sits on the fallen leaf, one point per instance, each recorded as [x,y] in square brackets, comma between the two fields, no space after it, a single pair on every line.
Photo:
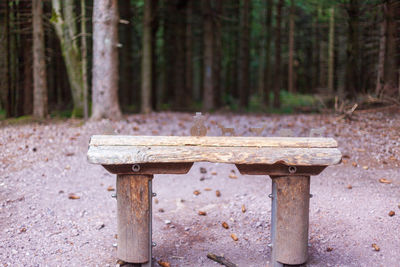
[360,149]
[69,154]
[202,213]
[234,237]
[164,263]
[344,161]
[349,186]
[218,193]
[375,246]
[214,173]
[345,156]
[354,164]
[365,167]
[225,225]
[154,132]
[110,188]
[385,181]
[203,170]
[329,249]
[22,230]
[243,208]
[391,213]
[160,210]
[156,200]
[196,192]
[135,128]
[232,176]
[73,196]
[207,189]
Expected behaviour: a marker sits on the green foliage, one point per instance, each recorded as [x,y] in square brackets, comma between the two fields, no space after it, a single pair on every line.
[61,114]
[2,114]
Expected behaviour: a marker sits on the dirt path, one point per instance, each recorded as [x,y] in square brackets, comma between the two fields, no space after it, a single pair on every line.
[41,164]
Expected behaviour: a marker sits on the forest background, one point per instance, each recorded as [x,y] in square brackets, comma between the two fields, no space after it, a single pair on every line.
[100,58]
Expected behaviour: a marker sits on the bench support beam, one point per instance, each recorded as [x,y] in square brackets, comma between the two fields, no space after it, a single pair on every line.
[134,198]
[289,220]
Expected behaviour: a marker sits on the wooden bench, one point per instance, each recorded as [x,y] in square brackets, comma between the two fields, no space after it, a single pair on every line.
[288,161]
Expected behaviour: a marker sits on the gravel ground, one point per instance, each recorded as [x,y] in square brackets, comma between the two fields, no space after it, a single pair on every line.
[41,164]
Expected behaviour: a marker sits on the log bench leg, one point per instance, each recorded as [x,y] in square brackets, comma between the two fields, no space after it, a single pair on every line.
[289,219]
[134,198]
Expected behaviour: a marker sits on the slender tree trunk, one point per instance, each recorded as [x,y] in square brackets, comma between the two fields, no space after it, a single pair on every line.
[244,55]
[189,50]
[105,60]
[64,21]
[217,47]
[277,78]
[208,73]
[84,61]
[126,72]
[39,64]
[154,77]
[390,63]
[352,67]
[267,75]
[146,59]
[235,47]
[381,57]
[331,51]
[181,99]
[168,53]
[4,51]
[291,48]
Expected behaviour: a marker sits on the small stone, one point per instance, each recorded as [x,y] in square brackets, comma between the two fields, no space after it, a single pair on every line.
[187,228]
[160,210]
[203,170]
[167,222]
[115,245]
[329,249]
[13,251]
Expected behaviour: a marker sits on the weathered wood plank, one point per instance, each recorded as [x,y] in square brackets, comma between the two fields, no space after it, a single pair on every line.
[133,208]
[108,155]
[212,141]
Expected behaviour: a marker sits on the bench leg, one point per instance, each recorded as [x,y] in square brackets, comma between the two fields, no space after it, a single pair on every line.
[289,219]
[134,198]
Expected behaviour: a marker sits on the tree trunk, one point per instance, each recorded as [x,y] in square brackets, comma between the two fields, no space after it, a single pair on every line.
[352,66]
[268,38]
[277,78]
[154,77]
[146,59]
[291,48]
[84,61]
[168,53]
[235,47]
[331,50]
[390,63]
[66,30]
[39,64]
[126,72]
[4,70]
[217,47]
[244,55]
[105,60]
[381,57]
[189,50]
[208,73]
[181,99]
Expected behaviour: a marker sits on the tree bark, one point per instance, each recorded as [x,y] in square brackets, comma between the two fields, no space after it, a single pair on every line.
[291,48]
[189,50]
[352,66]
[217,47]
[390,64]
[105,60]
[64,22]
[268,38]
[154,76]
[126,72]
[4,70]
[244,55]
[208,73]
[277,78]
[39,64]
[84,61]
[331,51]
[146,59]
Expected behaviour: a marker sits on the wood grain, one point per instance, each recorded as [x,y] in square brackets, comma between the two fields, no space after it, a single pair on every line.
[109,155]
[212,141]
[133,209]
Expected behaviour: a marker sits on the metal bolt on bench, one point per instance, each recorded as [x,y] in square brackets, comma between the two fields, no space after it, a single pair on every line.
[289,161]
